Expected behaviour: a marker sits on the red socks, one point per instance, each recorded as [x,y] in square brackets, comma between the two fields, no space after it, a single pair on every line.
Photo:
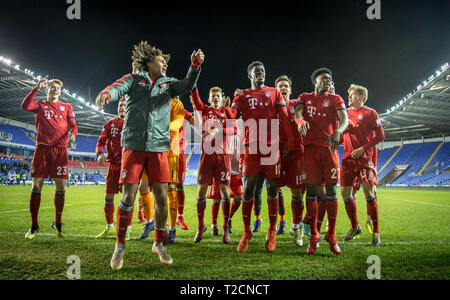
[297,210]
[234,207]
[59,206]
[109,211]
[332,210]
[321,203]
[372,210]
[201,206]
[180,198]
[124,216]
[35,203]
[311,208]
[247,207]
[215,207]
[350,207]
[226,211]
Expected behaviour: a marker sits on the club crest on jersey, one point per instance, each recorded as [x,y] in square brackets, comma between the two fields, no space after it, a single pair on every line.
[326,103]
[292,110]
[268,94]
[309,102]
[360,117]
[222,115]
[62,108]
[143,83]
[163,85]
[124,174]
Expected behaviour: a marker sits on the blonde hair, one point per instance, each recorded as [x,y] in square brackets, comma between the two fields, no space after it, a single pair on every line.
[216,89]
[55,81]
[283,78]
[360,89]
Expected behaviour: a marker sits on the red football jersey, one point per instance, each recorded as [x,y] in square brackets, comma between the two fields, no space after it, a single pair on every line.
[53,120]
[111,137]
[365,122]
[259,108]
[297,136]
[182,134]
[213,118]
[321,113]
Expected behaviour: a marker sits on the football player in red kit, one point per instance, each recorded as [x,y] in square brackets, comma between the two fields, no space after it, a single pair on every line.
[291,165]
[111,138]
[215,164]
[358,160]
[54,119]
[262,108]
[317,115]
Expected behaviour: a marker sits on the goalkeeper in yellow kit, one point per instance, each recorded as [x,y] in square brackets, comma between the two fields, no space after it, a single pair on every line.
[176,123]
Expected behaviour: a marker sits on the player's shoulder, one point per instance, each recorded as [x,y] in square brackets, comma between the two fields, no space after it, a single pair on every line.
[370,110]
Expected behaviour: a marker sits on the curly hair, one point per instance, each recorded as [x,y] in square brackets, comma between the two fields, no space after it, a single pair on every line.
[144,53]
[319,72]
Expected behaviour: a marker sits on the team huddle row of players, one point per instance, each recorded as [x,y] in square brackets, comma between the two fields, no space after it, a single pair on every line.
[146,153]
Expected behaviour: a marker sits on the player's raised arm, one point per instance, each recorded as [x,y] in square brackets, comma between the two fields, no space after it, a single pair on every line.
[28,103]
[196,100]
[115,91]
[184,86]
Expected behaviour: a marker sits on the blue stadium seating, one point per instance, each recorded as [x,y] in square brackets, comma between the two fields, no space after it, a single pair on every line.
[18,134]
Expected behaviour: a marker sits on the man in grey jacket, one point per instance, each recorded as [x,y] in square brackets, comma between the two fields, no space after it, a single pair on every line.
[146,136]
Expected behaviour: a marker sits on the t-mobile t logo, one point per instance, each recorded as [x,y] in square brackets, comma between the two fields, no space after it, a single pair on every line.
[253,102]
[114,131]
[311,111]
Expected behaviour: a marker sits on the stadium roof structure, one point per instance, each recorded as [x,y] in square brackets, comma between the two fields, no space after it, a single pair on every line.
[17,82]
[423,113]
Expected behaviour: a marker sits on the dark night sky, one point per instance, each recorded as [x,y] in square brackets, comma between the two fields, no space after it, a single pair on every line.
[390,56]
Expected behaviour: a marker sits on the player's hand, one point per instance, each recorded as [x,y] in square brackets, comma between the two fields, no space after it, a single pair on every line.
[227,101]
[101,100]
[238,92]
[357,153]
[101,159]
[197,58]
[303,128]
[210,134]
[333,141]
[42,83]
[72,138]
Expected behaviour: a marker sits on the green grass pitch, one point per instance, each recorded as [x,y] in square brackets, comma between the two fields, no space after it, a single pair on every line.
[414,233]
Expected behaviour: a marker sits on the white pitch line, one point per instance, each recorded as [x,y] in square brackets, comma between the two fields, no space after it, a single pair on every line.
[425,203]
[188,239]
[22,210]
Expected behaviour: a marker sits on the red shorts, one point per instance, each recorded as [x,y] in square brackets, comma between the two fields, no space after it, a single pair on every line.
[214,168]
[320,165]
[50,162]
[291,171]
[235,188]
[182,167]
[257,164]
[364,172]
[112,179]
[134,163]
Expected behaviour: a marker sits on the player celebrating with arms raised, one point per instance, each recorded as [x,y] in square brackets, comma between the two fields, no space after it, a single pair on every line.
[215,163]
[317,114]
[146,137]
[358,159]
[261,107]
[53,121]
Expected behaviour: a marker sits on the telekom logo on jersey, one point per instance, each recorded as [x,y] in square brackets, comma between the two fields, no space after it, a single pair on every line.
[114,131]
